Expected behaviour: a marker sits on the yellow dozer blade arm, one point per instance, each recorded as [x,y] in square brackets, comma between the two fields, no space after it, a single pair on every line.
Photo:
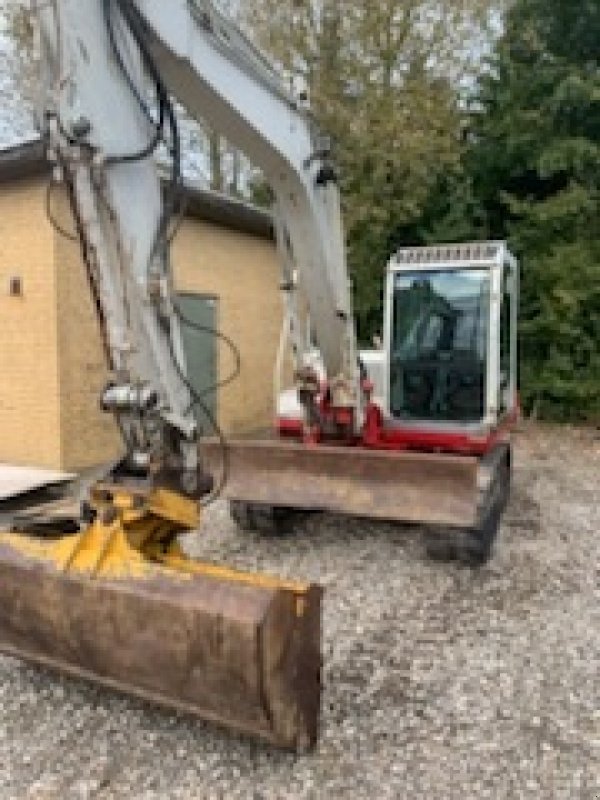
[121,604]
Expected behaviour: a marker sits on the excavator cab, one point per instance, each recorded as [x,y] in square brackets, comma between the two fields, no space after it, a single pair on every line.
[452,338]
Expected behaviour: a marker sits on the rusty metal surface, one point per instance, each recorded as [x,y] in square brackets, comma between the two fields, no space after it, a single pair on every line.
[403,486]
[232,653]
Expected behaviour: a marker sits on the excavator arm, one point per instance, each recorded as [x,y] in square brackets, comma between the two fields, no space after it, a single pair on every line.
[101,137]
[218,75]
[103,128]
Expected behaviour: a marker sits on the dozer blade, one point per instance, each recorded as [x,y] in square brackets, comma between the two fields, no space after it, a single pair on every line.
[428,488]
[240,650]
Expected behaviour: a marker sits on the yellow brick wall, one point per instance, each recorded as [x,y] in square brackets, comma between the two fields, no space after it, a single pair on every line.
[52,367]
[88,437]
[29,389]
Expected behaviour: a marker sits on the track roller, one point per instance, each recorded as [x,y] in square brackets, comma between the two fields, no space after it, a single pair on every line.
[267,520]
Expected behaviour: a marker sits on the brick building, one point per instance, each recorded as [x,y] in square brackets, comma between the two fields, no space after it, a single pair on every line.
[51,361]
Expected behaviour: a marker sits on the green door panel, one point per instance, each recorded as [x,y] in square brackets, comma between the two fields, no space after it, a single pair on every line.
[201,349]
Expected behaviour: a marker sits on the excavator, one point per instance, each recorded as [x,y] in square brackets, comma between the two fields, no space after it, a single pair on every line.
[416,432]
[428,439]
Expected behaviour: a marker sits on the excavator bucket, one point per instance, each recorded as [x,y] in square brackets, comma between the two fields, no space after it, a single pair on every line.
[428,488]
[238,649]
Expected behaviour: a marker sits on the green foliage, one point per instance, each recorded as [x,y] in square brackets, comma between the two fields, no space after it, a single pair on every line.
[382,81]
[535,168]
[561,333]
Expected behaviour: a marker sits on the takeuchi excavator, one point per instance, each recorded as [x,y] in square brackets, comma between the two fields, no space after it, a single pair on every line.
[428,439]
[416,432]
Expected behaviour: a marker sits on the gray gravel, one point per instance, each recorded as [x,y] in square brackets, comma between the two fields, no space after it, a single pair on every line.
[439,682]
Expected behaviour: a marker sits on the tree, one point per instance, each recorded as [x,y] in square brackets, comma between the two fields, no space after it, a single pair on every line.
[384,80]
[535,164]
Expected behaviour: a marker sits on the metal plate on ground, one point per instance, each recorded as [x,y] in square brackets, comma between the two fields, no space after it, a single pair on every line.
[16,481]
[428,488]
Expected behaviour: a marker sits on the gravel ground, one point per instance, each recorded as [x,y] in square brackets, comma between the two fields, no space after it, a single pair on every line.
[440,683]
